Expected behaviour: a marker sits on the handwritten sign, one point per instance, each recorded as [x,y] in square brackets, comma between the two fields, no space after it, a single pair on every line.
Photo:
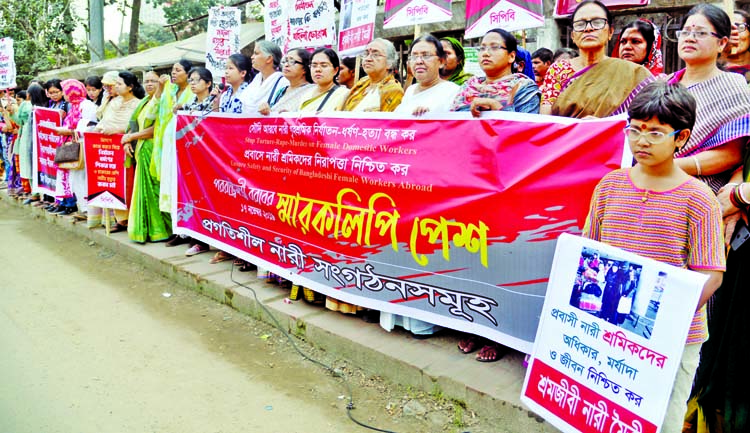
[47,140]
[108,180]
[610,339]
[357,25]
[7,64]
[222,38]
[311,23]
[276,22]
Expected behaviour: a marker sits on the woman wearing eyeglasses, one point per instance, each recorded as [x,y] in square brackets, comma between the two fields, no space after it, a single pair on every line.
[379,90]
[713,153]
[326,95]
[296,69]
[502,89]
[586,85]
[739,61]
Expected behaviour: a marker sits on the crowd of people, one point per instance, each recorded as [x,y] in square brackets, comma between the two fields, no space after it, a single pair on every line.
[710,149]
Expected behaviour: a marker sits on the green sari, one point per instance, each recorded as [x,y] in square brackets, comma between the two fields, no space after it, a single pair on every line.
[145,221]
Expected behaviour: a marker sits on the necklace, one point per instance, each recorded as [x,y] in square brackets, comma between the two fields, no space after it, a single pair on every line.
[644,199]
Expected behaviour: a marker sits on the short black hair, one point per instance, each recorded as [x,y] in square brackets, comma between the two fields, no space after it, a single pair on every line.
[203,73]
[570,52]
[596,2]
[428,38]
[672,104]
[511,43]
[543,54]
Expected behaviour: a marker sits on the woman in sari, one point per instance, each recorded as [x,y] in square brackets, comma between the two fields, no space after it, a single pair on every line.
[116,120]
[379,90]
[266,59]
[36,98]
[640,42]
[501,89]
[583,86]
[296,69]
[325,95]
[722,123]
[23,118]
[453,69]
[172,91]
[146,222]
[739,60]
[71,184]
[429,94]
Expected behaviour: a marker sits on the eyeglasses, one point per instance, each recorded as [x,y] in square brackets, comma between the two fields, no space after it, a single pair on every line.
[372,54]
[492,49]
[741,27]
[320,65]
[695,34]
[652,137]
[596,24]
[423,57]
[291,62]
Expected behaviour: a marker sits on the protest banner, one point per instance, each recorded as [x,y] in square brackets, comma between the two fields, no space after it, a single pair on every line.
[564,8]
[276,22]
[7,64]
[596,368]
[47,140]
[311,23]
[222,37]
[450,219]
[510,15]
[400,13]
[357,25]
[109,182]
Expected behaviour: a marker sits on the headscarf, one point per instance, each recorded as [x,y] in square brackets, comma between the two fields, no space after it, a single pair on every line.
[528,67]
[75,93]
[653,62]
[459,76]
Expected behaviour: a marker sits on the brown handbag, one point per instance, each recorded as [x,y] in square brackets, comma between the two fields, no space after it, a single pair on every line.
[69,155]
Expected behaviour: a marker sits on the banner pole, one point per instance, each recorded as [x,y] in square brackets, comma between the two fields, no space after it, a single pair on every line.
[106,220]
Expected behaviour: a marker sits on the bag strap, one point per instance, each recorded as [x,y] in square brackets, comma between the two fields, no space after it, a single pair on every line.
[330,92]
[274,89]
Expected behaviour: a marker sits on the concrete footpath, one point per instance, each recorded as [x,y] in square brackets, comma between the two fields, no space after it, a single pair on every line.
[434,365]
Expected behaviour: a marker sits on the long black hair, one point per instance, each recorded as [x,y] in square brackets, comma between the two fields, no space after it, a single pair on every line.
[132,81]
[37,95]
[242,63]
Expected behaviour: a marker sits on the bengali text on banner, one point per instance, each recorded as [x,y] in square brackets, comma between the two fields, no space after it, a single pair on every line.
[450,220]
[109,182]
[47,140]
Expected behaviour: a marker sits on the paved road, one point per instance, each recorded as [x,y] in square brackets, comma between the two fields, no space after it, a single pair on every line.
[89,343]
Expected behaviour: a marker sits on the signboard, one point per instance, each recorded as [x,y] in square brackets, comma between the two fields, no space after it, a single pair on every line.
[47,140]
[357,25]
[7,64]
[276,22]
[600,365]
[433,218]
[222,37]
[109,183]
[312,23]
[400,13]
[510,15]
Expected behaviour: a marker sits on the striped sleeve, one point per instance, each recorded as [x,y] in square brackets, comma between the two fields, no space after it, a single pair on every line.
[706,232]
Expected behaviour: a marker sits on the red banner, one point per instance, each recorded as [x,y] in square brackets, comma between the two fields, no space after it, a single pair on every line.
[564,8]
[109,181]
[47,140]
[452,221]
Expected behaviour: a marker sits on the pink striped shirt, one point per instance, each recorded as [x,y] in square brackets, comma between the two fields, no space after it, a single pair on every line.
[681,227]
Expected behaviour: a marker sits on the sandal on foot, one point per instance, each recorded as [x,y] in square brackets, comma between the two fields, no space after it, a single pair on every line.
[491,353]
[219,257]
[469,344]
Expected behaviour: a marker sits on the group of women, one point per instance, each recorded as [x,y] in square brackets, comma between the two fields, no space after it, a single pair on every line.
[319,82]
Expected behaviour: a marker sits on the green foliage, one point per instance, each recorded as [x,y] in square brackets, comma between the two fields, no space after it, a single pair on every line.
[149,35]
[179,11]
[42,32]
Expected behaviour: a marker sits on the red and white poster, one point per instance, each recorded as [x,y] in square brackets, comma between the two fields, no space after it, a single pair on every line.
[596,368]
[47,140]
[109,181]
[451,220]
[222,37]
[356,26]
[563,8]
[7,64]
[401,13]
[510,15]
[312,23]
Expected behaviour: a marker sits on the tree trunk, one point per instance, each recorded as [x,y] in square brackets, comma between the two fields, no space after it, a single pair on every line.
[134,22]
